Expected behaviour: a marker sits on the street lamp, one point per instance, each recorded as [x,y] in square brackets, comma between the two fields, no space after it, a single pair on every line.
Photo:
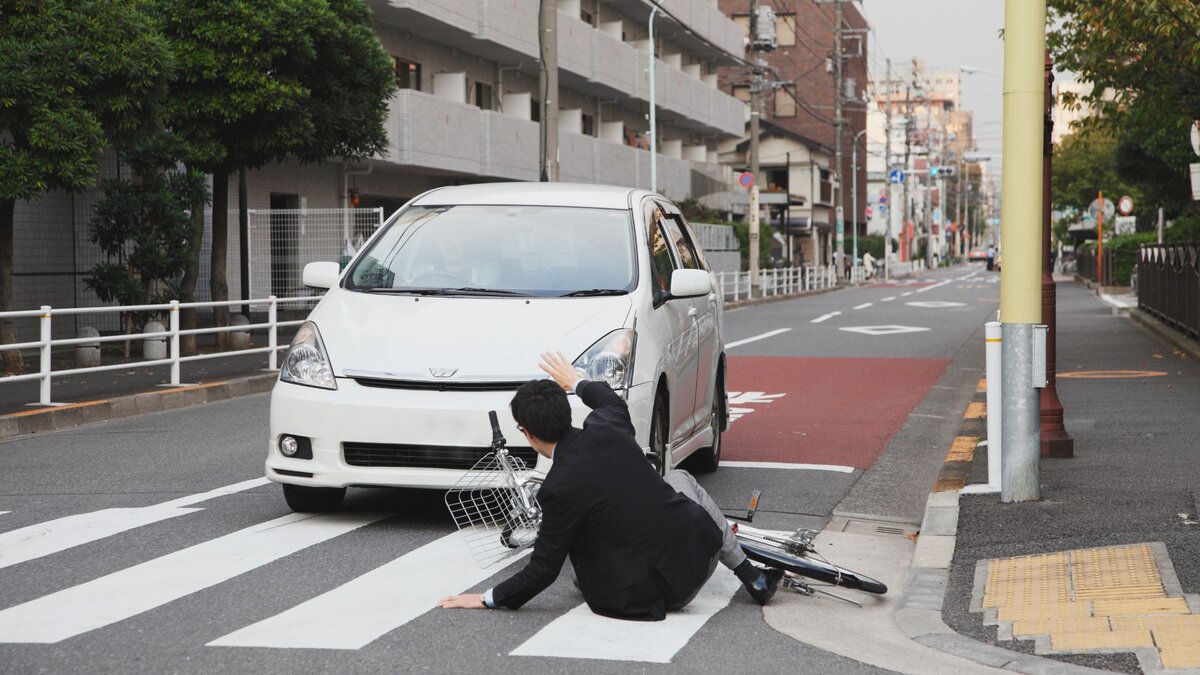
[972,70]
[854,194]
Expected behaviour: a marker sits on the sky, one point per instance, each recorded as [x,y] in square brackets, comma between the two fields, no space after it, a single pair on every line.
[947,34]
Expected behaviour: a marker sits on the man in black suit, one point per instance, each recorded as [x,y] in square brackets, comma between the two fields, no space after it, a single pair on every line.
[641,545]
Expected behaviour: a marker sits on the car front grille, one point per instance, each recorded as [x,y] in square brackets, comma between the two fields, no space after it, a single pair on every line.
[423,456]
[423,385]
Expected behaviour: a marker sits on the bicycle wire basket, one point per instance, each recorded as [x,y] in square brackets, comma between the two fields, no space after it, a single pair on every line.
[495,507]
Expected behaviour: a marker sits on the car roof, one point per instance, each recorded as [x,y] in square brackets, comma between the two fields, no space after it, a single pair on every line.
[585,195]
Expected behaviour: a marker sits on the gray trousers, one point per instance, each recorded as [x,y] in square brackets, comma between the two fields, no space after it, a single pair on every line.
[731,554]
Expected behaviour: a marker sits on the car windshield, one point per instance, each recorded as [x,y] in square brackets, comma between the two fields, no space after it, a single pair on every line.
[500,250]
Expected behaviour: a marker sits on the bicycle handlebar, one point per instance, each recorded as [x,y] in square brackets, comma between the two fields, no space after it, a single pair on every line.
[497,437]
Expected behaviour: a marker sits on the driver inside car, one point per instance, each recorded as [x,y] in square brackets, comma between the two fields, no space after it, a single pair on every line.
[453,263]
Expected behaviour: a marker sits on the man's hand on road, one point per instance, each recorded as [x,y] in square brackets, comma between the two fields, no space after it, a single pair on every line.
[464,601]
[559,368]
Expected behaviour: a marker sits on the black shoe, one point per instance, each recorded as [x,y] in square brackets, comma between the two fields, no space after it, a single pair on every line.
[763,588]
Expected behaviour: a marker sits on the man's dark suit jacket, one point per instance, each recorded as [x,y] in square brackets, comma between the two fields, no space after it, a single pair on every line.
[638,546]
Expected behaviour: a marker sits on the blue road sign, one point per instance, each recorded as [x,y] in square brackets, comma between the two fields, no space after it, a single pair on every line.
[896,176]
[746,179]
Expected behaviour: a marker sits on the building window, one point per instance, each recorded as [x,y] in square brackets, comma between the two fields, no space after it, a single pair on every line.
[408,74]
[826,187]
[482,95]
[785,30]
[741,92]
[589,125]
[785,101]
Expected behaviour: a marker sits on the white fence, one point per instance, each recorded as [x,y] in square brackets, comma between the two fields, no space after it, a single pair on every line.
[771,282]
[45,344]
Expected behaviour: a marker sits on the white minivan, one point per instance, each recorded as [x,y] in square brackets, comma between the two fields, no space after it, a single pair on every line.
[445,311]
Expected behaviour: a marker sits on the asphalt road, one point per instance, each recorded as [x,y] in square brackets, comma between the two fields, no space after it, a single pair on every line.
[150,544]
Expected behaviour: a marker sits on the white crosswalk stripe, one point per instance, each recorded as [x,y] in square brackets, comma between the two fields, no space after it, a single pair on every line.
[580,634]
[143,587]
[360,611]
[35,541]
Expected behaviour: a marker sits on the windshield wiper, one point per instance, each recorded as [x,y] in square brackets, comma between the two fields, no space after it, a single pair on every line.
[484,291]
[405,291]
[594,291]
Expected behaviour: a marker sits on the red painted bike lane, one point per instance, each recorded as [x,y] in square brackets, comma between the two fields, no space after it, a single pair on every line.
[814,410]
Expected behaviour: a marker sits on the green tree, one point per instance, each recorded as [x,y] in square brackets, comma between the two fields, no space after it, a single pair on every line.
[143,224]
[259,81]
[75,75]
[1143,60]
[1084,164]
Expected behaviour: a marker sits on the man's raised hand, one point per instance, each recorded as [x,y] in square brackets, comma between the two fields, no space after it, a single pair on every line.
[558,367]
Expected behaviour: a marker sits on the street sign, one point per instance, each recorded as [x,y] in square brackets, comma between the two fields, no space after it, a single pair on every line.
[883,196]
[896,176]
[1110,209]
[937,215]
[1196,137]
[868,212]
[1125,205]
[746,179]
[1125,224]
[1195,169]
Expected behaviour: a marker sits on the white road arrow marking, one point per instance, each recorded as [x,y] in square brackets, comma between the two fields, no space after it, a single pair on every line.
[133,590]
[60,534]
[580,634]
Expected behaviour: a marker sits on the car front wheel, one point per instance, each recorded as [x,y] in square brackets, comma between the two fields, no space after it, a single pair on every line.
[313,500]
[658,434]
[706,460]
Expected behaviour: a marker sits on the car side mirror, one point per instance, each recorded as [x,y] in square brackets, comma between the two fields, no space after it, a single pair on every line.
[690,283]
[321,274]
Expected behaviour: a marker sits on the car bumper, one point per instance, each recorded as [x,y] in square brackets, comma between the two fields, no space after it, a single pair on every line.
[357,414]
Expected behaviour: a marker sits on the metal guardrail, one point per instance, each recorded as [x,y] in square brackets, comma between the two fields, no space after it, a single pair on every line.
[782,281]
[1168,284]
[1086,267]
[45,344]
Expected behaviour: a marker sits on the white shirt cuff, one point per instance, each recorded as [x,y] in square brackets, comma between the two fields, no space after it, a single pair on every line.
[487,599]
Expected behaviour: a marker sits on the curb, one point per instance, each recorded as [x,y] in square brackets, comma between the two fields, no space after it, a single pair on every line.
[42,420]
[919,613]
[1167,333]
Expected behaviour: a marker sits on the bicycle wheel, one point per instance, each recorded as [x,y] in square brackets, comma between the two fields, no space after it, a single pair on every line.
[810,567]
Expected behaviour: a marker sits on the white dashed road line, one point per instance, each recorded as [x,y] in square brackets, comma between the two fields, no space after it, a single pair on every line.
[864,305]
[889,298]
[825,317]
[756,338]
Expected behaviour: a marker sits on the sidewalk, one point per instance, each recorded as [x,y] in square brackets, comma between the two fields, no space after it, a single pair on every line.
[1103,571]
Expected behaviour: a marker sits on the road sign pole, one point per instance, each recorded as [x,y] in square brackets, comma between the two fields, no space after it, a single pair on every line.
[1100,241]
[754,281]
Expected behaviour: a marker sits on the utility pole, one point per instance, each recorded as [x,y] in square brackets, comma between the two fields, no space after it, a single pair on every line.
[1023,350]
[762,38]
[548,89]
[837,128]
[887,169]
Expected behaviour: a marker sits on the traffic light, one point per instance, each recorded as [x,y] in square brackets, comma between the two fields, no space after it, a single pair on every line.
[936,171]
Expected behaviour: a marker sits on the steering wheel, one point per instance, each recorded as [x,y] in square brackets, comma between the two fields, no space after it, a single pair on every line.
[439,278]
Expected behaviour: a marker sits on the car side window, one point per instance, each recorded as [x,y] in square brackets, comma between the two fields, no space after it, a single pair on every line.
[687,253]
[661,262]
[689,241]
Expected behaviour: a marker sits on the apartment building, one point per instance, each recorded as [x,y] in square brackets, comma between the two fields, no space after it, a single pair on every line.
[466,111]
[800,105]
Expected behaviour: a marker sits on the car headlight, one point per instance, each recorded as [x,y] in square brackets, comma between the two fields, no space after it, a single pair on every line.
[610,360]
[306,361]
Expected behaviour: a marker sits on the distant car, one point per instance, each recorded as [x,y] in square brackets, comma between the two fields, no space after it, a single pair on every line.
[977,255]
[444,312]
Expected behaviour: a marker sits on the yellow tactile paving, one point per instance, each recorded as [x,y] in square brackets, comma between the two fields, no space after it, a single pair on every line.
[963,449]
[1070,624]
[976,410]
[1109,599]
[982,386]
[1078,642]
[1141,606]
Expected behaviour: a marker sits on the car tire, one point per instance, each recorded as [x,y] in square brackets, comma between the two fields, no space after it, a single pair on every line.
[706,460]
[658,434]
[313,500]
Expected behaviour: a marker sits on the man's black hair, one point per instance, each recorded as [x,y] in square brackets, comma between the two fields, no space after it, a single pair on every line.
[541,407]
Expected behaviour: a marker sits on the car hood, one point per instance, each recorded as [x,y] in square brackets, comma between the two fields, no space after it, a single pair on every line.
[480,339]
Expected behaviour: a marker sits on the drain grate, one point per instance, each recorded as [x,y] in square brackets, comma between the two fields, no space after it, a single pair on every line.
[875,528]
